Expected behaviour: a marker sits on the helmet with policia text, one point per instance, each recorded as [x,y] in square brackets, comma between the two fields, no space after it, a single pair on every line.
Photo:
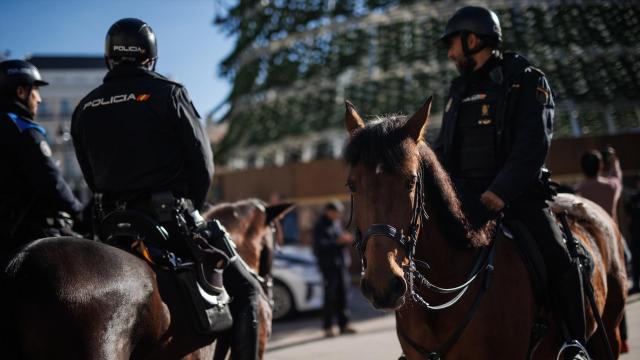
[130,40]
[14,73]
[477,20]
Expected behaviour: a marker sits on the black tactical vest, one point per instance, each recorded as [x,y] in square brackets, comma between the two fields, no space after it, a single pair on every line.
[475,152]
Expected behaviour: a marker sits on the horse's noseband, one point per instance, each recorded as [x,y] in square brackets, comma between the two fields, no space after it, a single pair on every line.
[408,242]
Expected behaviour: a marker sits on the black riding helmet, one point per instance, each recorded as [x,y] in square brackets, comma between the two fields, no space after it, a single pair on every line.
[14,73]
[130,40]
[474,19]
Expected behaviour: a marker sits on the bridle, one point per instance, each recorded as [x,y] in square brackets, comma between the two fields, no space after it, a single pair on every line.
[484,263]
[407,242]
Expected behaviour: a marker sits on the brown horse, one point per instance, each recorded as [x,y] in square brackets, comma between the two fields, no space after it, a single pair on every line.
[70,298]
[412,234]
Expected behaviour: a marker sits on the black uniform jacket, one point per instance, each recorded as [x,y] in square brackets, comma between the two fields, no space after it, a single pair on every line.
[139,133]
[31,186]
[518,106]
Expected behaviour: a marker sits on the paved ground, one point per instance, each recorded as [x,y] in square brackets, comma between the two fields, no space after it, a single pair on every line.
[301,338]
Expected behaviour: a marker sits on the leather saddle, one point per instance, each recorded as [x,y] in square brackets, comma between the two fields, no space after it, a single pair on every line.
[201,283]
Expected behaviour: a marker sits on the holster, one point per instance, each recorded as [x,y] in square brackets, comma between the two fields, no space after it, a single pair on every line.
[209,312]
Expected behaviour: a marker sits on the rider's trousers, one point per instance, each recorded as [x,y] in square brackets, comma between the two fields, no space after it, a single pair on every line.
[245,292]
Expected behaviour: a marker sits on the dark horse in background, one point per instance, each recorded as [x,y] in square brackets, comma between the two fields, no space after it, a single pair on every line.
[399,189]
[71,298]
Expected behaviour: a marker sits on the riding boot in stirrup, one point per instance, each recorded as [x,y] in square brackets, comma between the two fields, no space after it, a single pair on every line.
[571,300]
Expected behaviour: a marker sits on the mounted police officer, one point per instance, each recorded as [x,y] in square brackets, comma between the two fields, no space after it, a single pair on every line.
[33,194]
[495,136]
[139,140]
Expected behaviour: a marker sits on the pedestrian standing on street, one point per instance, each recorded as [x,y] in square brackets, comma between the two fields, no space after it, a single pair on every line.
[35,201]
[633,209]
[331,247]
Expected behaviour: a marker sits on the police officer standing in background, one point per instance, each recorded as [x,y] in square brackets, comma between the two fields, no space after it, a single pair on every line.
[138,134]
[495,136]
[33,193]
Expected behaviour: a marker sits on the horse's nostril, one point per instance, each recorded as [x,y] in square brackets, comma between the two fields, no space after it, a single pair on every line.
[398,285]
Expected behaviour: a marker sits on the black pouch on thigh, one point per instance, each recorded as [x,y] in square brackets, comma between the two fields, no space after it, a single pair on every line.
[209,312]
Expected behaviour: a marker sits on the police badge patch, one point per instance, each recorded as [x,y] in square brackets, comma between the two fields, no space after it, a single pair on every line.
[44,147]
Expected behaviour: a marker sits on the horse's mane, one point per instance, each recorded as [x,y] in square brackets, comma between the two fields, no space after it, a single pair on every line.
[383,142]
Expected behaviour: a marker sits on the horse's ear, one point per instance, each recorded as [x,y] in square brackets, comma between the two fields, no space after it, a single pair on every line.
[278,211]
[352,119]
[417,124]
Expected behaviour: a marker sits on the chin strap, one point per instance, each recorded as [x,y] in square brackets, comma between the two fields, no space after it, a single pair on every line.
[468,53]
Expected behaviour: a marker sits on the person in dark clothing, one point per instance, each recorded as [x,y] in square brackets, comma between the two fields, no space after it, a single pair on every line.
[138,137]
[35,201]
[330,245]
[633,209]
[495,136]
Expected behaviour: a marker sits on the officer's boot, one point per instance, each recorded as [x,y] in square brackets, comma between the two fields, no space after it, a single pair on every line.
[245,290]
[570,300]
[244,344]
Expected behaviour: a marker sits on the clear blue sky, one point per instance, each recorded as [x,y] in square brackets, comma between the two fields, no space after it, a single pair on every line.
[189,47]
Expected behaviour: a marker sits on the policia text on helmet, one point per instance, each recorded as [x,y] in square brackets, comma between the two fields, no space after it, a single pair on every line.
[131,41]
[476,28]
[19,82]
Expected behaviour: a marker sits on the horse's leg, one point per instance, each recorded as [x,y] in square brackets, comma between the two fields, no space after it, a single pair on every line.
[264,323]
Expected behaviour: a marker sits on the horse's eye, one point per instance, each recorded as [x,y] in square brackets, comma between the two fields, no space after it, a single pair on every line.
[351,186]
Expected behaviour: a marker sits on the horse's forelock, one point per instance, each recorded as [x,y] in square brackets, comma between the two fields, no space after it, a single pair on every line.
[381,142]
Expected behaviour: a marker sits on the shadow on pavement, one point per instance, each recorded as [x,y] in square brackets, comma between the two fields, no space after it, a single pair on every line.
[307,327]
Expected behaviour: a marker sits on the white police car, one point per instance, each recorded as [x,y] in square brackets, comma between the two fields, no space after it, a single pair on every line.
[297,281]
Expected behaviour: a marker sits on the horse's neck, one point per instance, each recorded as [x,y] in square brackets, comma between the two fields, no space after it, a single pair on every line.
[248,251]
[445,260]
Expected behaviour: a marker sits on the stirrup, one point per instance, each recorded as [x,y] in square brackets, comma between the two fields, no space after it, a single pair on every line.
[582,353]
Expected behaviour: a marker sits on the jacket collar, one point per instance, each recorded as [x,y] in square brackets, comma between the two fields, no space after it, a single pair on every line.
[18,108]
[130,71]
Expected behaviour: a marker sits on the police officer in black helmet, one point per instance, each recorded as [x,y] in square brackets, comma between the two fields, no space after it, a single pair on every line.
[495,136]
[33,194]
[138,137]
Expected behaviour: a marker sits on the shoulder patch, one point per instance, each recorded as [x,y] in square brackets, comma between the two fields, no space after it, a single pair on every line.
[44,147]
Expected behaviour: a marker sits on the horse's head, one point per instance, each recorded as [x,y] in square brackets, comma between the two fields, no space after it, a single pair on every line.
[385,183]
[254,228]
